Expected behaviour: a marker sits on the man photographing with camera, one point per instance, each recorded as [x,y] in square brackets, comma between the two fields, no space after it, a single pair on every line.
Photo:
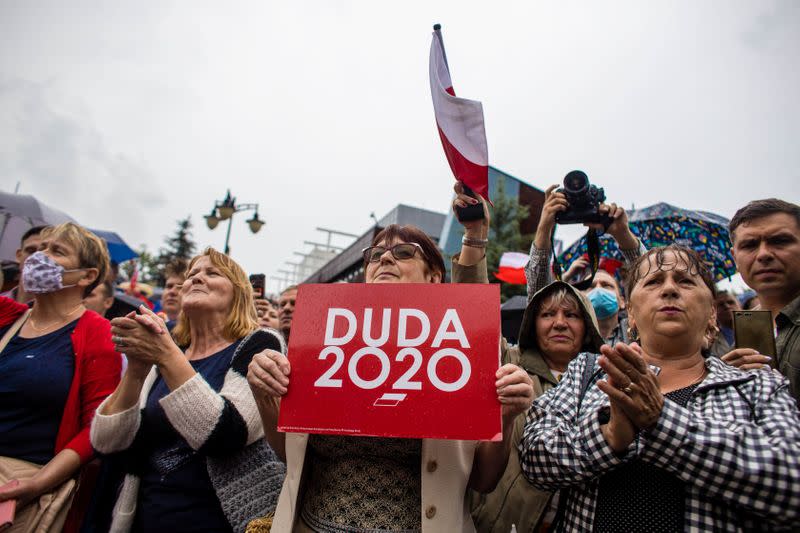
[591,212]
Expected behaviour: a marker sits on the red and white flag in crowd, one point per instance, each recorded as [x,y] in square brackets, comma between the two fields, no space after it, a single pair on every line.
[460,123]
[512,268]
[134,277]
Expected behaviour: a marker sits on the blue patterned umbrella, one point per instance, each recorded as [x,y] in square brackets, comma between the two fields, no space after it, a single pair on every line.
[662,224]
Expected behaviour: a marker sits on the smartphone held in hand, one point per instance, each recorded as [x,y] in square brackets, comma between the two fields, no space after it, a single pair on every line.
[754,329]
[259,283]
[471,212]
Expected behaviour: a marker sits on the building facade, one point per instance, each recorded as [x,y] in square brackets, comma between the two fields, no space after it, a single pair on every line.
[347,266]
[452,231]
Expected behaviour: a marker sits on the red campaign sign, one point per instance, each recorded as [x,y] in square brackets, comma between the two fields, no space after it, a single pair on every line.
[395,360]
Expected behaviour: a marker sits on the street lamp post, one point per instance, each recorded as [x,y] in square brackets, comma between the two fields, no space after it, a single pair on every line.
[225,210]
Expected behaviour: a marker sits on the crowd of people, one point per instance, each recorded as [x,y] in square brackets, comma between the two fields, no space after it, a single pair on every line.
[627,405]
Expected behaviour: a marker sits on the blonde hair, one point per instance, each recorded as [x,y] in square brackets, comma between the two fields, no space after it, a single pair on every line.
[242,319]
[560,297]
[92,250]
[565,299]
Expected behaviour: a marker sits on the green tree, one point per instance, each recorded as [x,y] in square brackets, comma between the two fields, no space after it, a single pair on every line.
[180,245]
[505,236]
[148,266]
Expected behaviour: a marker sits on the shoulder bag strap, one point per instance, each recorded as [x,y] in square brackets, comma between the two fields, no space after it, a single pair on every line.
[15,327]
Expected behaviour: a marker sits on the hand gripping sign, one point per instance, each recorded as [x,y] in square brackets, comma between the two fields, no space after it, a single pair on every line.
[395,360]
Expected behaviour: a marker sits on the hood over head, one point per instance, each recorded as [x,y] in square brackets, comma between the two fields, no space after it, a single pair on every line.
[527,333]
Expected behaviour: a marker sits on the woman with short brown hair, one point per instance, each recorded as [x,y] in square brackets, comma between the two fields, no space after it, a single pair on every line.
[58,364]
[657,437]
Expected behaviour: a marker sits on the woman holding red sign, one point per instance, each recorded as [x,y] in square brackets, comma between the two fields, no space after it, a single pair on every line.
[339,483]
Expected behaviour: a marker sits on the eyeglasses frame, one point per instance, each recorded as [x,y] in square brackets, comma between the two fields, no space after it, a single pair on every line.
[417,247]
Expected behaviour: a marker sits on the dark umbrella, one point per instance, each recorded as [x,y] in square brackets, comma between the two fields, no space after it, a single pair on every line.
[662,224]
[18,214]
[515,303]
[123,304]
[511,313]
[117,248]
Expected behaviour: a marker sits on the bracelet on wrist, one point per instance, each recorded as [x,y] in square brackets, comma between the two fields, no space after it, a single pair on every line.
[473,242]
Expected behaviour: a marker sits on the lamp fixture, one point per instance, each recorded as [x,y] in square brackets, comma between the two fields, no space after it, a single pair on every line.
[225,210]
[212,220]
[255,223]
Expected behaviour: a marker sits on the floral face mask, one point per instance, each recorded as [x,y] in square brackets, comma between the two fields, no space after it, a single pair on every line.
[42,275]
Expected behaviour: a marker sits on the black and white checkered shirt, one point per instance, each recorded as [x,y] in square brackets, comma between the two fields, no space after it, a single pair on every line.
[736,446]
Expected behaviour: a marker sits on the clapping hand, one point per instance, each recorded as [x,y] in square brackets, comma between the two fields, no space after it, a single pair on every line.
[143,338]
[634,393]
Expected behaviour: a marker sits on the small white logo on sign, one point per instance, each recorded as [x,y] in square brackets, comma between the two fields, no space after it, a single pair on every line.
[389,400]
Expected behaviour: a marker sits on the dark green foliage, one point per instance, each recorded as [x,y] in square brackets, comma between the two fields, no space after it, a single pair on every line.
[148,266]
[180,245]
[505,236]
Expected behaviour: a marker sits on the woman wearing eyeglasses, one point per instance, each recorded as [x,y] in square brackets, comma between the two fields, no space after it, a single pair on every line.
[359,484]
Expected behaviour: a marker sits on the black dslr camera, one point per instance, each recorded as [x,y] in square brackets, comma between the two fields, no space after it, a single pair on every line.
[584,200]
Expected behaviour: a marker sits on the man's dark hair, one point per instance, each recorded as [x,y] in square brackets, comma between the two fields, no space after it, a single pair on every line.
[36,230]
[177,268]
[763,208]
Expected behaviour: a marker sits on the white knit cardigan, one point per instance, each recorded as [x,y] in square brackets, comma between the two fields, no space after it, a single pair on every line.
[198,413]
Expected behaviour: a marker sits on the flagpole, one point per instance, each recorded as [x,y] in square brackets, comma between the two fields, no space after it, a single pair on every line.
[437,29]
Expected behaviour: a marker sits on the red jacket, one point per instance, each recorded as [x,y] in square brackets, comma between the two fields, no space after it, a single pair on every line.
[97,374]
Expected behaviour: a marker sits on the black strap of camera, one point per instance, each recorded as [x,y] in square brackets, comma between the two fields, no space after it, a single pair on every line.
[593,244]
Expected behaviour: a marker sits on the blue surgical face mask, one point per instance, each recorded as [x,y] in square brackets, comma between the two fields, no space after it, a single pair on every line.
[604,302]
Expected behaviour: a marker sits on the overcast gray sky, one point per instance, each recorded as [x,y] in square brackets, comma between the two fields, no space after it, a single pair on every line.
[129,116]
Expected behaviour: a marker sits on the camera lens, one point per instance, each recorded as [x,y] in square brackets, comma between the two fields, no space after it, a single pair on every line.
[576,182]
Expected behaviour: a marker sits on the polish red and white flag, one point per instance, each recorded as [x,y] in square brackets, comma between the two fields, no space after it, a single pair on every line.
[134,277]
[512,268]
[460,124]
